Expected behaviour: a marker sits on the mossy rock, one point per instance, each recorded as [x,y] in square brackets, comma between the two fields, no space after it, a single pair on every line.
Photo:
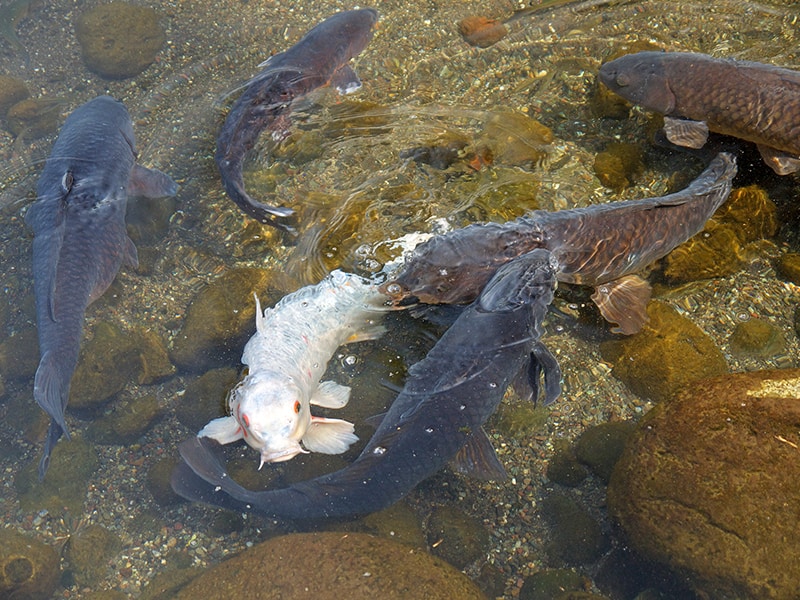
[515,139]
[356,566]
[89,552]
[219,320]
[34,117]
[158,482]
[758,338]
[63,489]
[575,536]
[619,164]
[19,355]
[600,447]
[788,267]
[709,485]
[29,569]
[751,213]
[127,423]
[12,90]
[564,467]
[456,537]
[119,40]
[714,252]
[669,353]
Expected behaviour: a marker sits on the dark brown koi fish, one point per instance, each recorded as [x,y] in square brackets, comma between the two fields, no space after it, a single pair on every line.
[602,246]
[319,59]
[438,416]
[80,240]
[696,94]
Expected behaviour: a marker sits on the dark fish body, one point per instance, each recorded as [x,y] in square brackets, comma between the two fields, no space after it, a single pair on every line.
[319,58]
[601,245]
[447,397]
[80,239]
[753,101]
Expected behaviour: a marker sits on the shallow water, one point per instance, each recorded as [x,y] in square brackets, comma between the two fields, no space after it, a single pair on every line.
[342,171]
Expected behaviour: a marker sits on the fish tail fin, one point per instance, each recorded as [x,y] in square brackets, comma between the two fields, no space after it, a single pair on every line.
[53,435]
[51,391]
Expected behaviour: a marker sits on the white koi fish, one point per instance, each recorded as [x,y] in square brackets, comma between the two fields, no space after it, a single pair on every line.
[271,407]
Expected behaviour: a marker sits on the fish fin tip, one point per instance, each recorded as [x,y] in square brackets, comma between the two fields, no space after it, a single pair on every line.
[329,436]
[686,133]
[150,183]
[781,162]
[624,301]
[224,430]
[131,255]
[477,459]
[345,80]
[48,389]
[373,332]
[330,394]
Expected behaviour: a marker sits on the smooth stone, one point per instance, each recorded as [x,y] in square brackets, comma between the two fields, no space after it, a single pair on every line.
[708,485]
[29,569]
[355,566]
[669,353]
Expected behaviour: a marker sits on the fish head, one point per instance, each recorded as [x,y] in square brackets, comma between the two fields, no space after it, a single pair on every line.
[273,413]
[640,78]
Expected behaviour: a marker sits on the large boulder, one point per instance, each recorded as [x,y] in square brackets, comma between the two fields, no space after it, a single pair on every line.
[710,485]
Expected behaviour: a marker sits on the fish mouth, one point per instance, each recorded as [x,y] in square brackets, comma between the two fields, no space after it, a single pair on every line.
[281,454]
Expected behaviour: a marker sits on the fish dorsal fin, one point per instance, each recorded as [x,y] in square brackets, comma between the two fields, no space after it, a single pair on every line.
[150,183]
[777,160]
[345,80]
[331,395]
[686,133]
[224,430]
[329,436]
[477,459]
[624,301]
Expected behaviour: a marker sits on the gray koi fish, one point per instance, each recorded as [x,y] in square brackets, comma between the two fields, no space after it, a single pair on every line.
[438,416]
[697,93]
[319,59]
[603,245]
[80,240]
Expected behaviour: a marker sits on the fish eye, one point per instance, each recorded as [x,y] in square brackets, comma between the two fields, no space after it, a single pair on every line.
[623,80]
[297,406]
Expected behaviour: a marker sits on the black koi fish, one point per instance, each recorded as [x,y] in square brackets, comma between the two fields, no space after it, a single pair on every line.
[320,58]
[696,94]
[439,414]
[602,245]
[80,240]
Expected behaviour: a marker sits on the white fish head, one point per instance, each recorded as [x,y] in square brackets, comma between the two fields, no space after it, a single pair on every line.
[274,414]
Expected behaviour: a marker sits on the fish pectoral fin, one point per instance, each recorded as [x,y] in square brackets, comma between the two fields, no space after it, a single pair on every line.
[541,363]
[224,430]
[329,436]
[373,332]
[781,162]
[686,133]
[331,395]
[624,302]
[477,459]
[345,80]
[150,183]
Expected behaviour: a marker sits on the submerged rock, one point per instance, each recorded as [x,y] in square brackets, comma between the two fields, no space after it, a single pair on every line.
[12,90]
[157,481]
[600,447]
[119,40]
[89,552]
[34,117]
[127,423]
[709,484]
[205,397]
[564,467]
[29,569]
[220,320]
[547,584]
[352,565]
[669,353]
[576,538]
[456,537]
[788,267]
[481,31]
[515,139]
[19,355]
[619,164]
[758,338]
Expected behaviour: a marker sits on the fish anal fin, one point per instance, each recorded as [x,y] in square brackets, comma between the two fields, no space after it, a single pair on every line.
[224,430]
[331,395]
[345,80]
[686,133]
[150,183]
[329,436]
[624,301]
[781,162]
[477,459]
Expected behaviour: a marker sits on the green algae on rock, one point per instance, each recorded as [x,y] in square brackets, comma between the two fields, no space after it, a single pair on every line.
[119,40]
[89,552]
[29,569]
[669,353]
[758,338]
[709,484]
[219,320]
[356,566]
[619,164]
[63,490]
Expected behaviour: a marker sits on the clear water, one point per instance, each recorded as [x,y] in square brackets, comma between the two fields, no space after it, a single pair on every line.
[342,171]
